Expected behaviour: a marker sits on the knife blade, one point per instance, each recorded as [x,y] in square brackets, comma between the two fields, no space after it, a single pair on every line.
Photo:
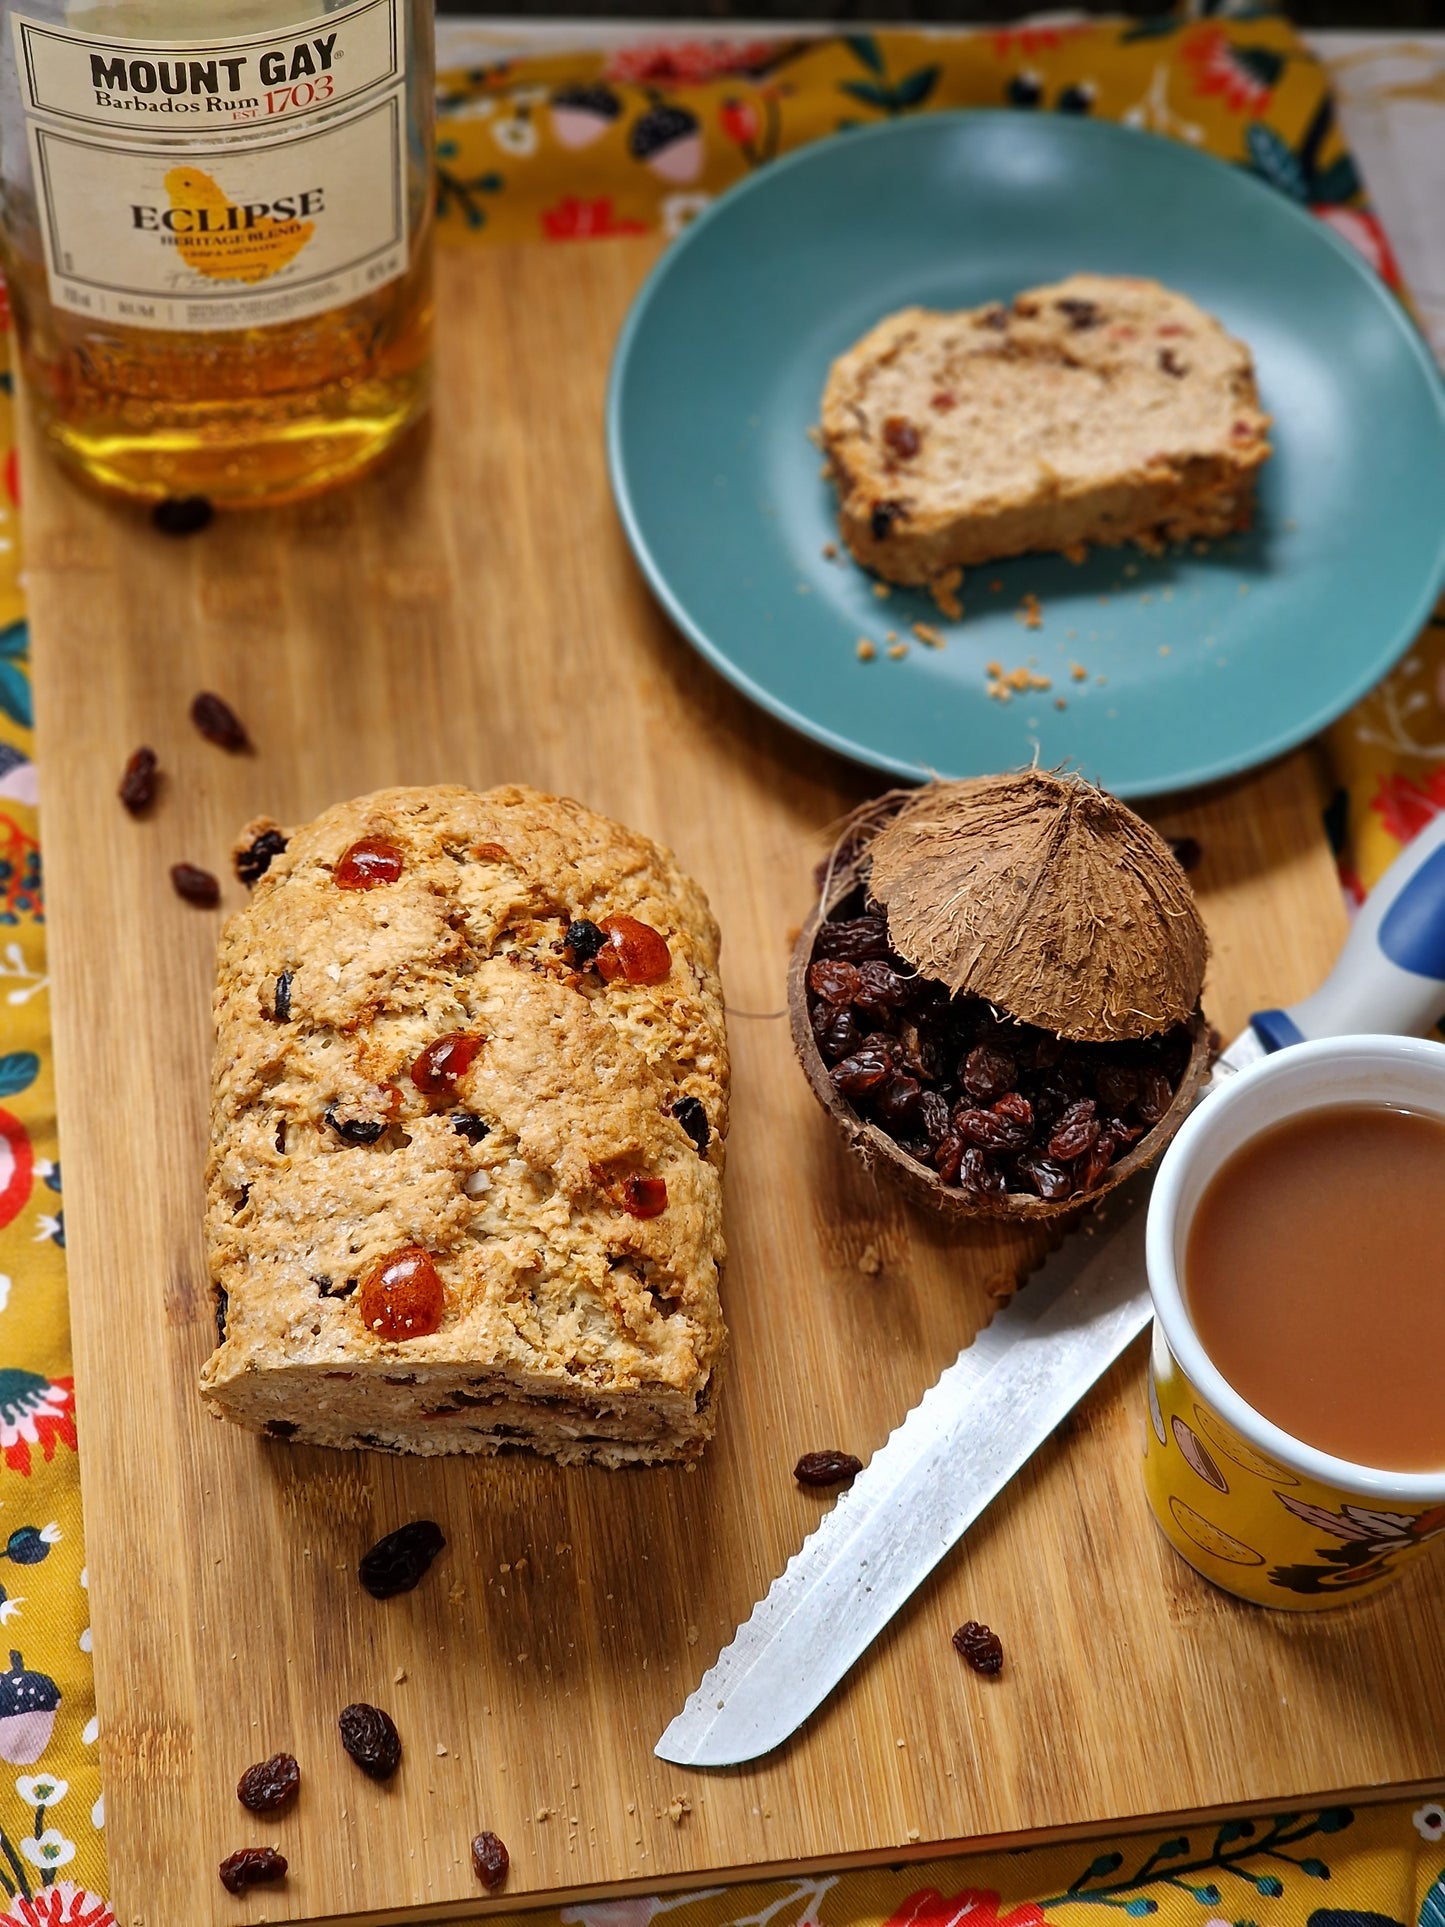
[1006,1392]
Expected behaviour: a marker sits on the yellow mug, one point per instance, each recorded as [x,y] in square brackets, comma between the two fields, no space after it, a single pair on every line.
[1255,1510]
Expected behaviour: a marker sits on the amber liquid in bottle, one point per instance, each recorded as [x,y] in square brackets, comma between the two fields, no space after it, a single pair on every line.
[245,416]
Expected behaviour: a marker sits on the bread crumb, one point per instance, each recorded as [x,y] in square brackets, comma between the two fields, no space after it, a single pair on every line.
[541,1815]
[1146,597]
[441,1751]
[1201,548]
[890,635]
[678,1807]
[913,1833]
[882,591]
[692,1635]
[866,650]
[1003,682]
[870,1261]
[1078,672]
[900,1742]
[945,593]
[506,1566]
[830,551]
[1076,553]
[457,1592]
[928,635]
[1029,613]
[995,586]
[1101,680]
[1059,703]
[1131,568]
[398,1678]
[898,651]
[1244,588]
[1164,648]
[815,435]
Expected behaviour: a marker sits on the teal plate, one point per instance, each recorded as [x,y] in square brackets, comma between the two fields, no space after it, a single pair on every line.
[1199,666]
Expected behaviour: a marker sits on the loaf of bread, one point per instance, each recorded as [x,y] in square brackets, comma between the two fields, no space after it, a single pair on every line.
[1099,410]
[468,1111]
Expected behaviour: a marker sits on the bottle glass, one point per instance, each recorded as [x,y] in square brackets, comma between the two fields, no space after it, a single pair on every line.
[217,228]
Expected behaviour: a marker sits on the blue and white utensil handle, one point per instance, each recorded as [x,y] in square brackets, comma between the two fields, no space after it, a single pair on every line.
[1390,976]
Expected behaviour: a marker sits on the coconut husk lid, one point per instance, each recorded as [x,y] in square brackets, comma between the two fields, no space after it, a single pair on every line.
[1044,896]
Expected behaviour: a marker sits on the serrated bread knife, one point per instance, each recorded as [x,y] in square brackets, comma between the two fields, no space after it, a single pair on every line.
[1004,1394]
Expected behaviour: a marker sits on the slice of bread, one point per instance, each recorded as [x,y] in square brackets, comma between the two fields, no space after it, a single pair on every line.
[1099,410]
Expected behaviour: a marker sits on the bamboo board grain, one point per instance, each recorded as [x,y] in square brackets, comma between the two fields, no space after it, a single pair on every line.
[473,614]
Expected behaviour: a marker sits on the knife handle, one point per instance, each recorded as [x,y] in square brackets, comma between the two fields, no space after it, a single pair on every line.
[1390,976]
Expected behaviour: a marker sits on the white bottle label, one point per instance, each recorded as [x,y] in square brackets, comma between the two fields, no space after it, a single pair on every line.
[222,184]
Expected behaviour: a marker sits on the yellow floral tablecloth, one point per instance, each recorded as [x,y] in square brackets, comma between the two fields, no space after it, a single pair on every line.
[572,148]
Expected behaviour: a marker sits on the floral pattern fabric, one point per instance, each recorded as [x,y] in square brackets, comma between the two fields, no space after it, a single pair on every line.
[582,147]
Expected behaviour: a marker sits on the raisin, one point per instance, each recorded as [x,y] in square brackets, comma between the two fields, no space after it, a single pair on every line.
[1156,1094]
[932,1117]
[354,1130]
[1117,1085]
[944,401]
[896,1101]
[981,1648]
[196,885]
[948,1156]
[281,1428]
[880,988]
[327,1289]
[182,515]
[997,1130]
[1076,1132]
[1051,1181]
[1097,1162]
[1081,314]
[401,1560]
[692,1117]
[402,1296]
[367,864]
[582,941]
[864,1071]
[634,953]
[283,998]
[977,1173]
[827,1468]
[644,1197]
[490,1860]
[223,1305]
[251,1866]
[218,722]
[138,784]
[1170,364]
[901,438]
[838,1032]
[371,1738]
[988,1072]
[468,1125]
[884,515]
[269,1785]
[856,939]
[436,1068]
[1188,852]
[834,980]
[255,860]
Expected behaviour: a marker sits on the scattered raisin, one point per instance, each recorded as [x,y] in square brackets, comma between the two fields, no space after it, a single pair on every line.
[1081,314]
[901,438]
[255,860]
[252,1865]
[834,980]
[582,941]
[692,1117]
[271,1784]
[196,885]
[138,784]
[1170,364]
[644,1197]
[981,1648]
[827,1468]
[437,1067]
[857,939]
[1188,852]
[354,1130]
[884,515]
[634,952]
[490,1860]
[371,1738]
[402,1296]
[367,864]
[182,515]
[283,998]
[401,1560]
[468,1125]
[218,722]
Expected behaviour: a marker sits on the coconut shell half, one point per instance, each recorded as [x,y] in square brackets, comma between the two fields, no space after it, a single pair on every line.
[854,865]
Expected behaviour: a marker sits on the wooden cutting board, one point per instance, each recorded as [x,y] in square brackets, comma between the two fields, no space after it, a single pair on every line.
[473,614]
